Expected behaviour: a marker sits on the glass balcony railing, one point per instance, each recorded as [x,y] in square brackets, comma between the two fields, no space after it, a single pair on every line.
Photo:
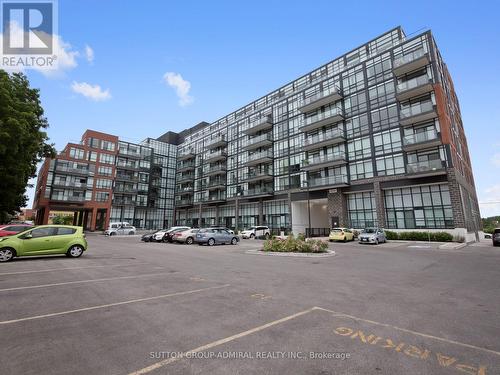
[408,58]
[74,184]
[186,154]
[260,190]
[312,122]
[260,139]
[425,166]
[215,169]
[323,159]
[216,142]
[260,155]
[329,95]
[185,165]
[328,181]
[126,177]
[324,137]
[185,177]
[427,136]
[214,198]
[416,109]
[262,123]
[124,202]
[185,189]
[184,202]
[131,153]
[68,198]
[263,174]
[65,168]
[413,83]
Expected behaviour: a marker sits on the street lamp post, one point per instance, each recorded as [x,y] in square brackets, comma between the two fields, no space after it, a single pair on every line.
[306,183]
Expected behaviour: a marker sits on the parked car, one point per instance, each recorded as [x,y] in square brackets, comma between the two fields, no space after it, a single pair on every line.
[10,229]
[212,236]
[120,230]
[161,235]
[496,237]
[150,237]
[488,236]
[44,240]
[372,235]
[341,234]
[185,236]
[256,232]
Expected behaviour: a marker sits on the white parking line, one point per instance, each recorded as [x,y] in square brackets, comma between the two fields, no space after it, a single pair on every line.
[5,322]
[69,268]
[83,281]
[342,315]
[165,362]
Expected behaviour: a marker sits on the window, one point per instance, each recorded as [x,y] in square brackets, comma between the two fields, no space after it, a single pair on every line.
[427,206]
[108,146]
[382,94]
[362,210]
[63,231]
[385,118]
[101,196]
[387,142]
[390,165]
[359,148]
[355,104]
[76,153]
[360,170]
[379,69]
[92,156]
[107,158]
[43,232]
[105,171]
[102,183]
[357,126]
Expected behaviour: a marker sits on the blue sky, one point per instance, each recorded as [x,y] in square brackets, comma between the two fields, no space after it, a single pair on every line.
[229,53]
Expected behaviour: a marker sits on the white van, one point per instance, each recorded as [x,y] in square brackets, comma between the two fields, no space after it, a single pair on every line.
[119,228]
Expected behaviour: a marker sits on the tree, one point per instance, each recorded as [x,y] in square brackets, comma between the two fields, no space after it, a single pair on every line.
[23,141]
[62,220]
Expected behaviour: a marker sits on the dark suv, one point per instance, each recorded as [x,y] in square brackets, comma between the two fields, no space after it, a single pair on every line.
[496,237]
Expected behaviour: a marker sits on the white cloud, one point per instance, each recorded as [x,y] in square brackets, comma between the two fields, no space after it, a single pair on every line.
[93,92]
[496,160]
[489,202]
[66,56]
[181,87]
[89,54]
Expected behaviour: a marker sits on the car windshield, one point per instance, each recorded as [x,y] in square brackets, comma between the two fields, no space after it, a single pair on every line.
[370,230]
[337,230]
[251,228]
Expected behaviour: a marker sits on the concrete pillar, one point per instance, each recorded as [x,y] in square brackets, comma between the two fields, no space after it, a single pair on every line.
[217,215]
[337,207]
[237,215]
[261,212]
[380,203]
[93,219]
[290,218]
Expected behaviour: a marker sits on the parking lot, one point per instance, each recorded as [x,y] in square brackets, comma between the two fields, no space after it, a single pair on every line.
[127,307]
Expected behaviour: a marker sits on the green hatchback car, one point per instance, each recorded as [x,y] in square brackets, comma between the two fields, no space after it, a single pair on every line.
[44,240]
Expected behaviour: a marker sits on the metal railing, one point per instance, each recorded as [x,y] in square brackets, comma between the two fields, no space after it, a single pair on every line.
[324,159]
[258,173]
[320,95]
[259,138]
[429,135]
[259,155]
[258,191]
[412,83]
[336,111]
[330,180]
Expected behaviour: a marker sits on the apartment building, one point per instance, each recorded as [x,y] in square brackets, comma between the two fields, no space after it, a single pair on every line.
[103,179]
[372,138]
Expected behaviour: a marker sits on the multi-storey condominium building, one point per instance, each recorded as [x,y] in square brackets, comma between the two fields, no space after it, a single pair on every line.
[372,138]
[105,179]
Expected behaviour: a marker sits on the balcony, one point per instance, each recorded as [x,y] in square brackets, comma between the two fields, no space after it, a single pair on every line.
[259,191]
[218,198]
[426,168]
[410,62]
[422,140]
[185,166]
[125,189]
[216,170]
[259,158]
[216,156]
[68,198]
[72,184]
[186,155]
[218,184]
[263,123]
[321,119]
[185,177]
[263,140]
[129,166]
[254,176]
[184,202]
[414,87]
[418,112]
[219,141]
[130,154]
[126,177]
[326,182]
[123,202]
[328,138]
[72,170]
[323,161]
[322,98]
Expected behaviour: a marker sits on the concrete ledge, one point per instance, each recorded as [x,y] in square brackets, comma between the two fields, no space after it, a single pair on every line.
[452,246]
[328,253]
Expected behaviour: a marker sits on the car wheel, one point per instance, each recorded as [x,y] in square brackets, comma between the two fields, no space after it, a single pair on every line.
[75,251]
[6,255]
[266,236]
[234,241]
[376,241]
[211,242]
[189,240]
[345,239]
[131,233]
[112,233]
[252,236]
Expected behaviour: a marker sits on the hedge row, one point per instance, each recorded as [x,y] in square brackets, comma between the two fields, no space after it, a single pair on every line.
[419,236]
[295,245]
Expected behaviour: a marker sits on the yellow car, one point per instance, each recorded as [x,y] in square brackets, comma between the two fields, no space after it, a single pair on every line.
[341,234]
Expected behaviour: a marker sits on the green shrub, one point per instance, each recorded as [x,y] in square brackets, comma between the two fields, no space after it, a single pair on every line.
[420,236]
[391,235]
[295,245]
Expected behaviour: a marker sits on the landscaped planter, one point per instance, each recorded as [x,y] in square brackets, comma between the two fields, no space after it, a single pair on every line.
[295,245]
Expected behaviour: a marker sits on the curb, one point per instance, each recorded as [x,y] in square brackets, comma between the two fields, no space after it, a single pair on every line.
[328,253]
[452,246]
